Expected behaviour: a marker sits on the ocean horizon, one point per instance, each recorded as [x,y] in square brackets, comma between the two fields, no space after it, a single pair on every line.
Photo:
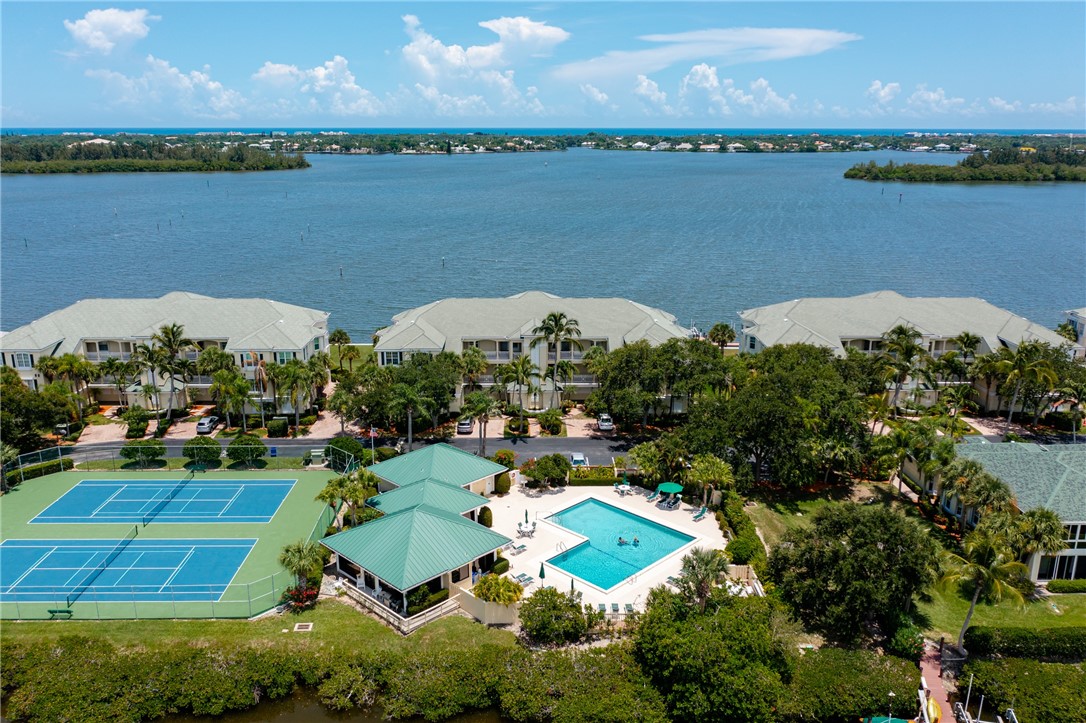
[575,131]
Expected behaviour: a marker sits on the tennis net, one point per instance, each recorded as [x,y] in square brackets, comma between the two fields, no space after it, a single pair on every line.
[89,579]
[166,500]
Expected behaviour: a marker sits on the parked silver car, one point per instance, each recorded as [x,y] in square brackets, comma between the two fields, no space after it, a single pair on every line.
[605,423]
[465,426]
[207,425]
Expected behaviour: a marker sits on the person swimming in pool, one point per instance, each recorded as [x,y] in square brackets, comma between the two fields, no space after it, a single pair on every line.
[636,542]
[622,541]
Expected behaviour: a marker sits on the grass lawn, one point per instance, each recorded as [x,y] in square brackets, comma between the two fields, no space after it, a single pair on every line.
[945,613]
[100,419]
[366,349]
[776,514]
[335,624]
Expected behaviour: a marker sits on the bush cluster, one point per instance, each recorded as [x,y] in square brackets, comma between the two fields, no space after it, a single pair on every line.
[502,484]
[832,684]
[1067,644]
[486,517]
[550,421]
[308,420]
[745,547]
[424,600]
[31,471]
[506,458]
[1037,691]
[278,428]
[202,450]
[1067,586]
[500,567]
[144,452]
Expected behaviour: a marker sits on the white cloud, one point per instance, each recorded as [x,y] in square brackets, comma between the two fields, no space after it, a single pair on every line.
[762,99]
[444,104]
[702,82]
[649,92]
[925,102]
[1002,106]
[724,97]
[103,30]
[193,93]
[883,94]
[1071,105]
[728,46]
[331,86]
[517,37]
[511,97]
[594,94]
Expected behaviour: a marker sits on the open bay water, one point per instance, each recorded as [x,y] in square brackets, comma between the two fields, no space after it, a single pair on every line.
[699,235]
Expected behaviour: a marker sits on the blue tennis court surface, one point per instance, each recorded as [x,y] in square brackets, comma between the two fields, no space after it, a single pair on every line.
[145,570]
[143,501]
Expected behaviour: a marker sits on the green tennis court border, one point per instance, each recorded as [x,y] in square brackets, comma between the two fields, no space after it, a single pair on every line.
[258,584]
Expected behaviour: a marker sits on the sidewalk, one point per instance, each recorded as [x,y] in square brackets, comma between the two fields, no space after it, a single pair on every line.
[930,667]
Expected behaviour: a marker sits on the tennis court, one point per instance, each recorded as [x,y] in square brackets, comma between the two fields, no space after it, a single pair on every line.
[181,501]
[119,570]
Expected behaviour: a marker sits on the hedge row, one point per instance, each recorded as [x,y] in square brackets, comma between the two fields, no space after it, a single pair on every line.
[746,547]
[1067,586]
[32,471]
[435,598]
[832,685]
[1037,691]
[1067,644]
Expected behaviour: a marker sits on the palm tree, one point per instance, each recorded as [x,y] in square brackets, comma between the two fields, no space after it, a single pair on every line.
[226,389]
[702,569]
[406,401]
[1025,365]
[260,382]
[1039,530]
[988,566]
[212,359]
[1075,393]
[480,407]
[522,371]
[904,354]
[171,339]
[595,358]
[967,344]
[975,488]
[556,329]
[186,370]
[351,354]
[119,371]
[563,370]
[956,399]
[986,367]
[297,382]
[896,447]
[332,494]
[338,338]
[150,393]
[722,334]
[473,362]
[358,487]
[301,558]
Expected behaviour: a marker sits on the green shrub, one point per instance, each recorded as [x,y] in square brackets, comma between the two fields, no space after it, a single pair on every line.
[422,599]
[144,452]
[502,484]
[1067,643]
[278,428]
[1037,691]
[202,450]
[514,426]
[136,430]
[486,517]
[907,641]
[386,453]
[163,427]
[308,420]
[746,547]
[32,471]
[497,589]
[505,457]
[246,449]
[551,617]
[500,567]
[342,450]
[1063,421]
[581,476]
[832,684]
[1067,586]
[550,421]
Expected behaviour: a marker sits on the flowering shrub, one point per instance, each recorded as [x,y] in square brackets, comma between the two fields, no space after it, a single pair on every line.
[301,597]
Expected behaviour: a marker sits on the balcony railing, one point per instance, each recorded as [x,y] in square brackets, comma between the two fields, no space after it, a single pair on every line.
[101,356]
[498,356]
[584,378]
[567,355]
[200,381]
[485,378]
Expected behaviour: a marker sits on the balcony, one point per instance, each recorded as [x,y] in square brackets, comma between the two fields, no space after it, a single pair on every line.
[484,379]
[574,356]
[584,379]
[199,381]
[101,356]
[498,356]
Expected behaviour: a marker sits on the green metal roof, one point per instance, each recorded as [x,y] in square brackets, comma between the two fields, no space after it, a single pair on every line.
[1038,475]
[428,492]
[409,547]
[437,463]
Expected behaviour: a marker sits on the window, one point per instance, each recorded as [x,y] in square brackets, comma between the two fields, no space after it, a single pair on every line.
[22,360]
[391,358]
[103,346]
[752,343]
[282,357]
[518,347]
[317,344]
[503,346]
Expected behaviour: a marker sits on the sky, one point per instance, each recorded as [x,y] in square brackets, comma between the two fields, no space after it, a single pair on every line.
[962,65]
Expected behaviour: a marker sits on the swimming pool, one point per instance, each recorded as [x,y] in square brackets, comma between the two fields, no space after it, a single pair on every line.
[601,560]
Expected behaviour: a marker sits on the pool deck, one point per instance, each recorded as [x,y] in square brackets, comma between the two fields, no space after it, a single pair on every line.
[549,538]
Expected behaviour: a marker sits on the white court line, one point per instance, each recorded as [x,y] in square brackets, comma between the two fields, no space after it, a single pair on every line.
[34,567]
[241,488]
[115,493]
[177,569]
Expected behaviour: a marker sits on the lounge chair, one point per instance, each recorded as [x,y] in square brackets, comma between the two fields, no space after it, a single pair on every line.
[524,580]
[674,503]
[603,608]
[629,608]
[614,608]
[517,549]
[672,580]
[653,496]
[701,513]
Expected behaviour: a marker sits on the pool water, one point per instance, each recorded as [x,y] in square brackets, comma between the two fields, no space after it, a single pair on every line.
[601,560]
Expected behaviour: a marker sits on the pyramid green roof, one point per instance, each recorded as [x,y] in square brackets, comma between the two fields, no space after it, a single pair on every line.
[409,547]
[428,492]
[439,463]
[1038,475]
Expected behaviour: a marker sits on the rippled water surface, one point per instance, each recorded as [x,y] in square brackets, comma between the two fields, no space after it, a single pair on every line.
[699,235]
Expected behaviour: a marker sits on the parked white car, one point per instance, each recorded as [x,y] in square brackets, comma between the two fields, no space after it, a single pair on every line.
[605,423]
[578,460]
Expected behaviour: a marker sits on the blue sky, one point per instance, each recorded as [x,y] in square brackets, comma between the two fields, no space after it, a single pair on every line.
[538,65]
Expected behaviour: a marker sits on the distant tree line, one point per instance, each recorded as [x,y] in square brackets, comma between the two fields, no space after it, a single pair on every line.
[1004,164]
[56,155]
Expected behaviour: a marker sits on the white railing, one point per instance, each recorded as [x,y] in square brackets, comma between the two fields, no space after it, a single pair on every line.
[404,625]
[568,355]
[584,378]
[101,356]
[498,356]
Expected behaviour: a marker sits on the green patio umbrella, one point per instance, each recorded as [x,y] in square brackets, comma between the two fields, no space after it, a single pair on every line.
[525,516]
[542,572]
[670,488]
[571,585]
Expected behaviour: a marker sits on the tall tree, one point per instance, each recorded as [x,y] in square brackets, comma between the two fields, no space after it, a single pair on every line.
[332,494]
[300,559]
[406,402]
[1027,364]
[473,362]
[904,356]
[722,334]
[1074,392]
[298,384]
[172,340]
[555,330]
[480,407]
[967,343]
[212,359]
[338,338]
[987,565]
[120,372]
[522,371]
[702,570]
